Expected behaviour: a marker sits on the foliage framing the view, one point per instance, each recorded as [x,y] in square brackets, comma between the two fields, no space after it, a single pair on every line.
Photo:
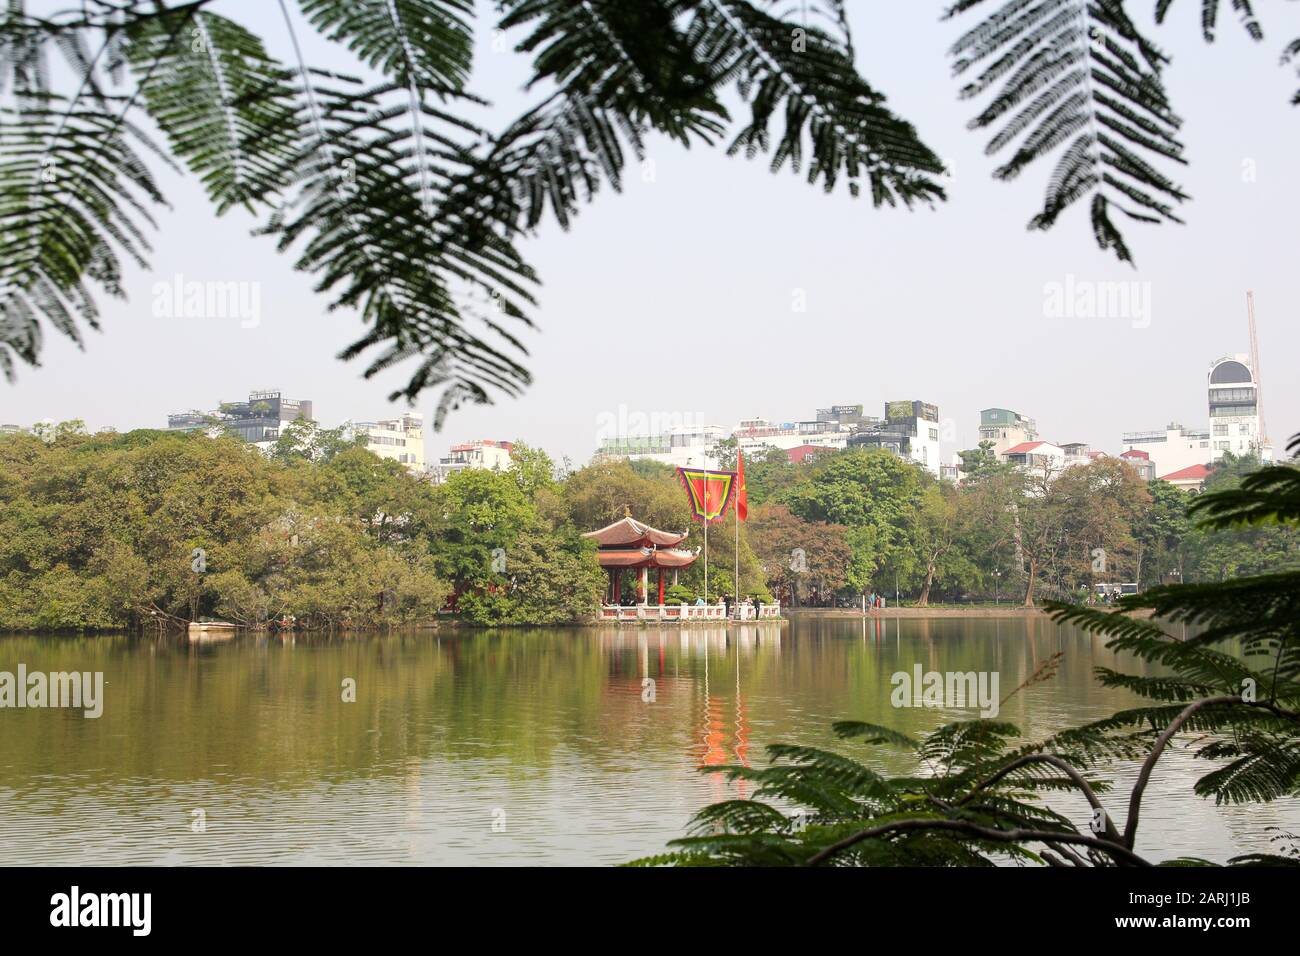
[402,207]
[1232,683]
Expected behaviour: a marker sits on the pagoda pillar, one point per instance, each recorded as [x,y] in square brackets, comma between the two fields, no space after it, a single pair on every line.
[643,587]
[661,587]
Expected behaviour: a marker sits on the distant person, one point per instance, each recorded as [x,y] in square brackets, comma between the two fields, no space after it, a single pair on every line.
[699,601]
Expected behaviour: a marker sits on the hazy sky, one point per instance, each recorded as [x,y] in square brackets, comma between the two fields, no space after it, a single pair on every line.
[675,297]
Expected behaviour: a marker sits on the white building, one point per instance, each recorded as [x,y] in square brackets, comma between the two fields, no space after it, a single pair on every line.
[686,446]
[1041,457]
[753,434]
[481,453]
[910,430]
[1173,448]
[1233,397]
[398,439]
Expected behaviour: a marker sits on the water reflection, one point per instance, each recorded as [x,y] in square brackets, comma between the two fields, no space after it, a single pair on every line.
[547,733]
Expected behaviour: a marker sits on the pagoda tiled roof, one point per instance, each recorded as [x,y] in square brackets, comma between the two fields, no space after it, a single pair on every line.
[629,533]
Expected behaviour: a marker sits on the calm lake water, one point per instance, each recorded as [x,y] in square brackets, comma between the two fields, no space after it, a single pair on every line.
[503,747]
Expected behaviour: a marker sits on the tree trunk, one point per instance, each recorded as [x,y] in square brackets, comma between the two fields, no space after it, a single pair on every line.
[1029,586]
[924,599]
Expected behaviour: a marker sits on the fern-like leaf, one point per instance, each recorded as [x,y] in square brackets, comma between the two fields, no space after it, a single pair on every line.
[1076,77]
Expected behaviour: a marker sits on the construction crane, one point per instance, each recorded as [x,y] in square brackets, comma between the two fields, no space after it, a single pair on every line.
[1254,368]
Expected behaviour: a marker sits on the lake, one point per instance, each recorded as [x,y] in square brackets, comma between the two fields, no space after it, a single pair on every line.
[505,747]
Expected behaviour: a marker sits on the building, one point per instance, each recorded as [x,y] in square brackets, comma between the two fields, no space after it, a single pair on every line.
[1141,463]
[681,447]
[755,433]
[952,470]
[482,453]
[628,545]
[1038,456]
[850,415]
[910,430]
[805,453]
[258,421]
[1191,478]
[1173,448]
[1006,428]
[1079,453]
[12,429]
[398,439]
[1235,425]
[1233,398]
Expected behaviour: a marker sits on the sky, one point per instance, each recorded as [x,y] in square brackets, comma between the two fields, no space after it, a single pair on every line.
[676,299]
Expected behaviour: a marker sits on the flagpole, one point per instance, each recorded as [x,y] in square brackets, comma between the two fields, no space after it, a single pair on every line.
[735,508]
[706,542]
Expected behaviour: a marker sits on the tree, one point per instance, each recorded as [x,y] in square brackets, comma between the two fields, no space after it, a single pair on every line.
[304,439]
[977,462]
[875,494]
[1165,534]
[1106,504]
[604,492]
[769,472]
[532,469]
[110,531]
[546,578]
[797,556]
[937,533]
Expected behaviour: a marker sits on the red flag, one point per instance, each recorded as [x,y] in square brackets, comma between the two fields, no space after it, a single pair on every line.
[709,491]
[742,497]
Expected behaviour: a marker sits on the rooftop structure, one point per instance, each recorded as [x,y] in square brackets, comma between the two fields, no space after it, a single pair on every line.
[910,430]
[258,421]
[1005,428]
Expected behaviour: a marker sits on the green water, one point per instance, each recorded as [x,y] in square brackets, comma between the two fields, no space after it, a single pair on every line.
[501,747]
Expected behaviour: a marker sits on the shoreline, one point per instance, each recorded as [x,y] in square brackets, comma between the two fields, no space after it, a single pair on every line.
[902,612]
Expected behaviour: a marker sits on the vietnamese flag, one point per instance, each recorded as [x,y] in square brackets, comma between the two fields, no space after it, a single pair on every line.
[742,498]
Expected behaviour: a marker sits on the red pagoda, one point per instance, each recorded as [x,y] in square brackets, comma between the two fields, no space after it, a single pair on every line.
[629,544]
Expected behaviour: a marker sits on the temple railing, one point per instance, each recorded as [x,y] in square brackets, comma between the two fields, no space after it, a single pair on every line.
[687,612]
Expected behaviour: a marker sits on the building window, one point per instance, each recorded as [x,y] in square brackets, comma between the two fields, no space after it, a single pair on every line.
[1223,445]
[934,434]
[1220,429]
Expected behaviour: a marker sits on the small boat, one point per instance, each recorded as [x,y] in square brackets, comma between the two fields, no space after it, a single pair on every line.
[211,630]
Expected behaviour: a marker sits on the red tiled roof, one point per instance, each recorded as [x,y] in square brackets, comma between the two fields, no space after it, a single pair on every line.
[628,532]
[649,557]
[1135,453]
[1190,473]
[1023,448]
